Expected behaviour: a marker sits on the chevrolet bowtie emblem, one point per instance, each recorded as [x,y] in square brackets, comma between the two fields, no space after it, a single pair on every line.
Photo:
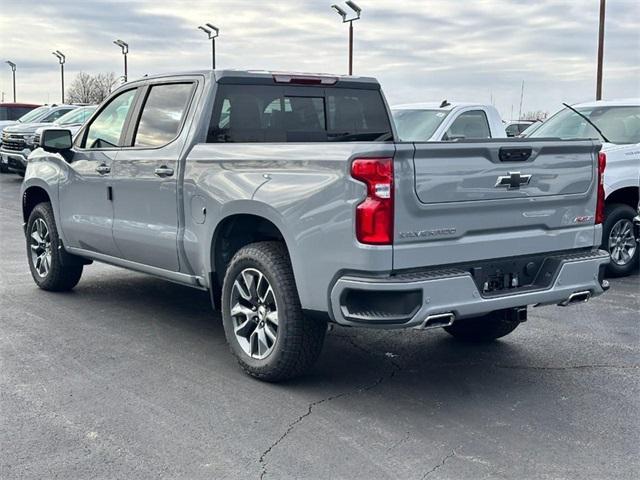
[513,181]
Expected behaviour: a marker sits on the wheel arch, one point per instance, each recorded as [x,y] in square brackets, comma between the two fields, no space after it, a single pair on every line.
[32,196]
[625,195]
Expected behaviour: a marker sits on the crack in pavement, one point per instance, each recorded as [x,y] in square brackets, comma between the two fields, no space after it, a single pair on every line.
[396,367]
[442,462]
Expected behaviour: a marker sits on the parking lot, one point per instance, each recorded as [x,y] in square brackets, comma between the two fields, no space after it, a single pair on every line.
[129,377]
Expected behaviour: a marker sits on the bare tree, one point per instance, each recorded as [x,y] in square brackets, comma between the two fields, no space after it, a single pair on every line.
[87,88]
[81,89]
[535,115]
[103,84]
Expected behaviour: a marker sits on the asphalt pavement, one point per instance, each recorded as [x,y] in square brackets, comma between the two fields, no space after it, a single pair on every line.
[130,377]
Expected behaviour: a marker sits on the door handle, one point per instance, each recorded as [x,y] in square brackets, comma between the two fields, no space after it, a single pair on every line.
[103,169]
[164,171]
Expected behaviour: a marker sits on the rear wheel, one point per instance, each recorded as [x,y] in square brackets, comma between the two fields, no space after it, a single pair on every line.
[3,168]
[51,267]
[263,320]
[486,327]
[618,238]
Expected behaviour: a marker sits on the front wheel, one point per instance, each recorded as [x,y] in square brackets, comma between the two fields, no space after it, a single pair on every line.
[262,317]
[51,267]
[486,327]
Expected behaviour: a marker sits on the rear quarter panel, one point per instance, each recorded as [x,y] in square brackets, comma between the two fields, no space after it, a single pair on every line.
[303,189]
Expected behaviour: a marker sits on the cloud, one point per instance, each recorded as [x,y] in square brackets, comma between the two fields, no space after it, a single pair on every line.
[419,50]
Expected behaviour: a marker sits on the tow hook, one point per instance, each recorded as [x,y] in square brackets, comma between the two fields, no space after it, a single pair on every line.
[605,285]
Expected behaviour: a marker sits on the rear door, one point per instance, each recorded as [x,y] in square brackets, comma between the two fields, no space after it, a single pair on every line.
[464,201]
[145,176]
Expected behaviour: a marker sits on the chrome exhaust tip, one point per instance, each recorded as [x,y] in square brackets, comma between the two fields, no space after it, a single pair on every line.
[438,320]
[577,297]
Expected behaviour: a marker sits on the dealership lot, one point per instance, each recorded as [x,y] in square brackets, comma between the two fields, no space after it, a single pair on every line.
[130,377]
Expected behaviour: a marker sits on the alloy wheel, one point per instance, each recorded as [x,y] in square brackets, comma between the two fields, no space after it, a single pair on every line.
[622,242]
[40,243]
[254,311]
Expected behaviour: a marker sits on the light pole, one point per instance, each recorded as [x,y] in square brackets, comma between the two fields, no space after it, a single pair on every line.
[600,51]
[13,70]
[125,49]
[212,32]
[357,10]
[61,58]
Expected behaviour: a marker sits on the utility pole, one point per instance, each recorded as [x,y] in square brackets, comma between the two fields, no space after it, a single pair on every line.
[212,33]
[357,11]
[600,51]
[61,58]
[13,71]
[521,97]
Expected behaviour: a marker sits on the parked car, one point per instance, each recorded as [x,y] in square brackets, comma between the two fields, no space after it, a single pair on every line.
[532,128]
[72,121]
[18,139]
[515,128]
[435,122]
[619,125]
[288,198]
[11,112]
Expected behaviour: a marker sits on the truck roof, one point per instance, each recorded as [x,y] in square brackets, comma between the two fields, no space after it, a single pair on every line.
[264,76]
[438,106]
[624,102]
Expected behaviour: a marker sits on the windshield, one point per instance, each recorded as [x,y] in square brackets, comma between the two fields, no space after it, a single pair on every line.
[77,116]
[33,114]
[620,125]
[417,125]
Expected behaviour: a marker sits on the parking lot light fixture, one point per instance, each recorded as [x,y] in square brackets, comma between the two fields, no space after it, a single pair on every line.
[13,70]
[125,50]
[61,58]
[212,33]
[345,19]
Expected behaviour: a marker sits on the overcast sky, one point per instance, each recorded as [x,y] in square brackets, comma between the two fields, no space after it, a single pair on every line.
[420,50]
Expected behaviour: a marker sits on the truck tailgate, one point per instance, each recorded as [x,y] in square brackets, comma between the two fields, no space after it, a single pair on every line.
[466,201]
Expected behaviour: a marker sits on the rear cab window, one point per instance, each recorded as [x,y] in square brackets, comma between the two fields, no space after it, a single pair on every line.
[275,113]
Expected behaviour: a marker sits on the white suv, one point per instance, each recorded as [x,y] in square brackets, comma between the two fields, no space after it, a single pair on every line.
[618,122]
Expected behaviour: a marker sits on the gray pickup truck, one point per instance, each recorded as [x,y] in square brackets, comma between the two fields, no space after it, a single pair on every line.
[289,198]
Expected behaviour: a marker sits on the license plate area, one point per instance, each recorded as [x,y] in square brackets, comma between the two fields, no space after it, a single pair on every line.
[500,277]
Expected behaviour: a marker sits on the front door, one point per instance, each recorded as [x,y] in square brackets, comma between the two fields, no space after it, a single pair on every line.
[145,198]
[86,210]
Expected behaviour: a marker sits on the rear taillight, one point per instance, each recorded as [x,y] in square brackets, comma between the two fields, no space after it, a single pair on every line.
[374,216]
[602,164]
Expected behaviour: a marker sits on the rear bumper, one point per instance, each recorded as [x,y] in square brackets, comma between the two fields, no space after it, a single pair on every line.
[407,300]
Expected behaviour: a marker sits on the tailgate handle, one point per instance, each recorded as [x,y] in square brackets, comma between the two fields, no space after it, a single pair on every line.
[514,154]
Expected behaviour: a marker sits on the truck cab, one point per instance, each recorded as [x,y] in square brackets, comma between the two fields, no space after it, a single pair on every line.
[445,121]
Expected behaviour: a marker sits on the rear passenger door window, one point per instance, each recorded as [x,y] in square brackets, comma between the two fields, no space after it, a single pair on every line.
[471,125]
[162,114]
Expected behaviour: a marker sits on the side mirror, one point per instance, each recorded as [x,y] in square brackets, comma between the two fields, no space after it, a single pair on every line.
[56,140]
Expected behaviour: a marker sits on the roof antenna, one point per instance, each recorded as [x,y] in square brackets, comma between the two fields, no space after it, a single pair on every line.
[444,103]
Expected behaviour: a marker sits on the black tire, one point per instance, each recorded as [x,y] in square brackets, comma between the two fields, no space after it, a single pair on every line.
[298,340]
[64,270]
[3,168]
[614,214]
[484,328]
